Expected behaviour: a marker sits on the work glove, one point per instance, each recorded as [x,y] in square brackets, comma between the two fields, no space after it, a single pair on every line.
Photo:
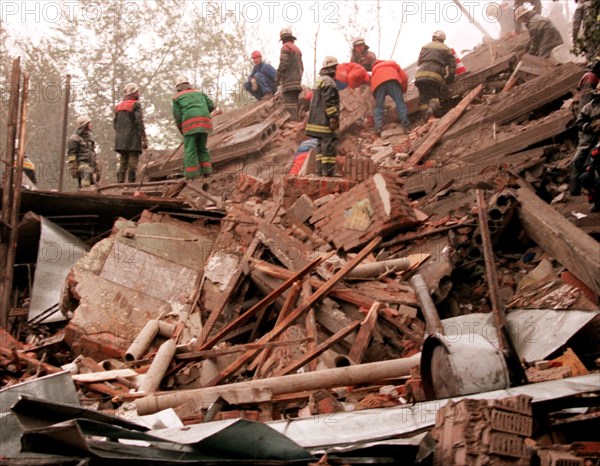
[254,84]
[73,169]
[334,123]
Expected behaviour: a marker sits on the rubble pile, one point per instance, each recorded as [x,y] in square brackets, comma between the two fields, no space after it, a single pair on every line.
[276,297]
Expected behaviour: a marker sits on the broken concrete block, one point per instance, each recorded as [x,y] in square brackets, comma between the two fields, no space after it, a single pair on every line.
[303,208]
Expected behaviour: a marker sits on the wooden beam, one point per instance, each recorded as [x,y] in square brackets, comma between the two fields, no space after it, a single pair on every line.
[509,142]
[267,300]
[365,334]
[320,349]
[520,101]
[296,313]
[570,246]
[339,292]
[231,287]
[215,353]
[311,325]
[288,305]
[441,127]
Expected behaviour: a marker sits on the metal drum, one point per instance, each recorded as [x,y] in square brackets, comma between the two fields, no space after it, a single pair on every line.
[461,365]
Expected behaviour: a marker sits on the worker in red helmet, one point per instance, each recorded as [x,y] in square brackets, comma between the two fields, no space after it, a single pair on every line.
[261,82]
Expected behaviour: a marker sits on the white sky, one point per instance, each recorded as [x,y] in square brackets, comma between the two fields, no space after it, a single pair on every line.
[414,20]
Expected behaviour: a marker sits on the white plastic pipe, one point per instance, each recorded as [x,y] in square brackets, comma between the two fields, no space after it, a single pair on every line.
[159,367]
[141,343]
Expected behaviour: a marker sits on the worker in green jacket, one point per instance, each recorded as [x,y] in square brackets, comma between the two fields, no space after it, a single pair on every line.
[193,111]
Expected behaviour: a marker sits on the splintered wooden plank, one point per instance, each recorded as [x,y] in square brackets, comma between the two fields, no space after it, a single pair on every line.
[569,245]
[296,313]
[320,349]
[262,304]
[441,127]
[364,334]
[339,292]
[104,375]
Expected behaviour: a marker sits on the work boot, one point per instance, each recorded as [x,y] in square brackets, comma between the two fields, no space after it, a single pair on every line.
[319,168]
[595,208]
[131,176]
[120,177]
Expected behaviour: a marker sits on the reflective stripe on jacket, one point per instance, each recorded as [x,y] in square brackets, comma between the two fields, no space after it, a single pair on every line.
[129,126]
[191,109]
[434,59]
[324,105]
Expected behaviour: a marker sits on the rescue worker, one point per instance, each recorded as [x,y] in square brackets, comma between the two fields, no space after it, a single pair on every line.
[534,5]
[130,133]
[590,180]
[436,69]
[289,72]
[543,35]
[261,81]
[588,123]
[388,78]
[81,153]
[352,75]
[193,111]
[324,117]
[362,55]
[588,84]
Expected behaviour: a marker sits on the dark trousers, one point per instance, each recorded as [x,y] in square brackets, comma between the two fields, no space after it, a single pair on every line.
[290,103]
[265,86]
[326,157]
[128,162]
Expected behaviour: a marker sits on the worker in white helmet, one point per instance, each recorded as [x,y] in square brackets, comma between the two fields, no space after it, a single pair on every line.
[130,133]
[324,117]
[193,111]
[81,153]
[289,72]
[437,67]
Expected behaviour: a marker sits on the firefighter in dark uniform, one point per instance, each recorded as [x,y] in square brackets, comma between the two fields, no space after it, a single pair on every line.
[437,67]
[324,117]
[81,154]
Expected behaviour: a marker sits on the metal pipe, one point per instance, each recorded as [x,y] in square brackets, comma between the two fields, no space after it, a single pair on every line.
[245,392]
[433,324]
[375,269]
[159,367]
[140,345]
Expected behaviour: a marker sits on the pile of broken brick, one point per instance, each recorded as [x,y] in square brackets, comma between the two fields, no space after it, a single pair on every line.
[443,271]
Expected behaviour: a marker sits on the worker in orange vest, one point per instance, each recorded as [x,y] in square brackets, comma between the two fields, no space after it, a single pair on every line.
[388,78]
